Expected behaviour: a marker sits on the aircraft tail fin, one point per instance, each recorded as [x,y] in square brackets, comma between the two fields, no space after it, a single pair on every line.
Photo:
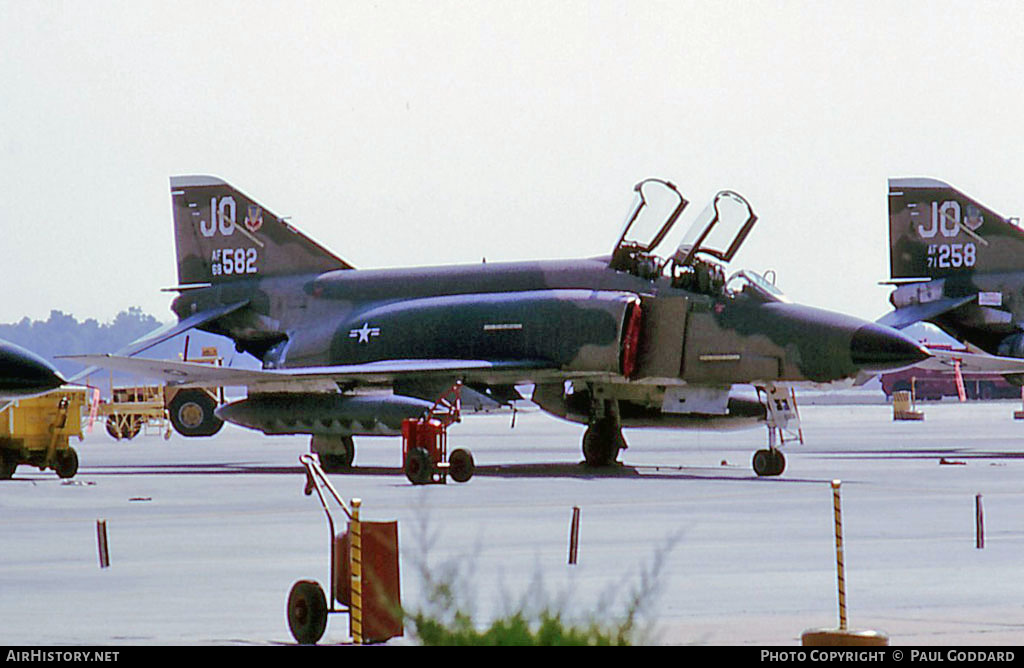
[221,234]
[937,231]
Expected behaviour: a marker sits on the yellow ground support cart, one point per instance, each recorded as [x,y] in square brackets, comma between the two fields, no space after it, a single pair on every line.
[189,410]
[36,431]
[133,408]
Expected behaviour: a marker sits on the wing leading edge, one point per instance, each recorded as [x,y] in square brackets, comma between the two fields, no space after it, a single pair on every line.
[971,363]
[322,379]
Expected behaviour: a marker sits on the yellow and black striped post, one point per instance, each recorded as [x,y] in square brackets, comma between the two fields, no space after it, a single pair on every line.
[840,569]
[842,635]
[356,569]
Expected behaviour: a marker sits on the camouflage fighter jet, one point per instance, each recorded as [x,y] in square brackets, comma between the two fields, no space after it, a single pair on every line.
[625,340]
[960,266]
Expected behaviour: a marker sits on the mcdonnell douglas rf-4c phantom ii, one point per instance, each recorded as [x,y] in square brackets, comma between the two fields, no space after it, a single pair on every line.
[626,340]
[958,265]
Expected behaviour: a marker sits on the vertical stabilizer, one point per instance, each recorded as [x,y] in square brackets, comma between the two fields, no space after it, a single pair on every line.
[936,231]
[221,234]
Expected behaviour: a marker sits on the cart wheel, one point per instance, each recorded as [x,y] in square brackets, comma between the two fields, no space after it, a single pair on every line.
[307,612]
[418,467]
[8,463]
[133,426]
[67,463]
[113,429]
[461,465]
[124,426]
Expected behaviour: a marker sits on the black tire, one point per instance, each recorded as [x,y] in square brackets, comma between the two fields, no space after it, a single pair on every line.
[601,443]
[191,413]
[336,462]
[418,467]
[8,465]
[461,466]
[67,463]
[780,463]
[333,463]
[307,612]
[768,463]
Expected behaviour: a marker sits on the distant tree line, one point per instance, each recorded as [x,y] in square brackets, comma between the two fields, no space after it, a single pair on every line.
[63,334]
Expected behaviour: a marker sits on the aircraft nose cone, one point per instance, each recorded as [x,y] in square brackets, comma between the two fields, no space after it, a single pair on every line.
[23,373]
[878,348]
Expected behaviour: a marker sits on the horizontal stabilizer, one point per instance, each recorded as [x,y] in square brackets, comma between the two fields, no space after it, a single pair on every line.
[971,363]
[321,379]
[908,315]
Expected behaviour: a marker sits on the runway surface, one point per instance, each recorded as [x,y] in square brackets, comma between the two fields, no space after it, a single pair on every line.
[207,536]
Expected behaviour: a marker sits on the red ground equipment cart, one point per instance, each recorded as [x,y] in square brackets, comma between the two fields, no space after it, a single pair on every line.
[364,575]
[425,456]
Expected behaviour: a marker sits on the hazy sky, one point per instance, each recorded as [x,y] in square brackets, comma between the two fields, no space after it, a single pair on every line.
[400,133]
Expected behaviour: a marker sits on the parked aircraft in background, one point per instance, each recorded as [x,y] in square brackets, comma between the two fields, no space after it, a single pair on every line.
[626,340]
[960,266]
[938,381]
[957,264]
[24,374]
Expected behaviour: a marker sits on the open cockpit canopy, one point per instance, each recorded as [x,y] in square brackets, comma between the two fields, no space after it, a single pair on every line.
[657,208]
[718,231]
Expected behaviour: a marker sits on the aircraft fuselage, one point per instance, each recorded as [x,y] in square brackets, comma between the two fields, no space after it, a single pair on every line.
[572,313]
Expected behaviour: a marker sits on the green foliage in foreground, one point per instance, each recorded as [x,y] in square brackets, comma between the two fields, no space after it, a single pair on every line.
[445,620]
[514,629]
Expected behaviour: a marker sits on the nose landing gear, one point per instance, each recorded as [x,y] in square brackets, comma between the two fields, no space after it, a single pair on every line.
[769,462]
[782,418]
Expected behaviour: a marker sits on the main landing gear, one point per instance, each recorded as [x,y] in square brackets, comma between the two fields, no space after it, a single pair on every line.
[336,453]
[602,441]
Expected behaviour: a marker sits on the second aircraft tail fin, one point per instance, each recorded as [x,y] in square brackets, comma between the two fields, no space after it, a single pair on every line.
[937,231]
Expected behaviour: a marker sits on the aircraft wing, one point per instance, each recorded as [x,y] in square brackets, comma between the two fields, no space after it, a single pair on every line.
[327,378]
[168,331]
[908,315]
[971,363]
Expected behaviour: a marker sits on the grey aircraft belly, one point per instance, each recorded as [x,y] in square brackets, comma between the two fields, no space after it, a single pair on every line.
[626,340]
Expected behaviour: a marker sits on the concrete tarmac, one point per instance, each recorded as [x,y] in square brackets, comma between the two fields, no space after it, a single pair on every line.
[207,536]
